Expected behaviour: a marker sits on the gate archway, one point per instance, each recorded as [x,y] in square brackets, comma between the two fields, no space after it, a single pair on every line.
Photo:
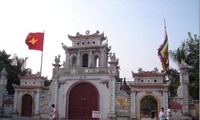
[83,99]
[27,106]
[149,108]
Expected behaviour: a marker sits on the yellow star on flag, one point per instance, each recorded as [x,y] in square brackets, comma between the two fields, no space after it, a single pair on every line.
[33,41]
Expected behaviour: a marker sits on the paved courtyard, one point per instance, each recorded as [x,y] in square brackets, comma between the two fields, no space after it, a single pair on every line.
[27,118]
[21,118]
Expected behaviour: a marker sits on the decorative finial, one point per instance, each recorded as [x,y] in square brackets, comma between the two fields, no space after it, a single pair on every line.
[96,33]
[3,72]
[156,69]
[78,34]
[133,74]
[57,59]
[140,69]
[87,32]
[183,64]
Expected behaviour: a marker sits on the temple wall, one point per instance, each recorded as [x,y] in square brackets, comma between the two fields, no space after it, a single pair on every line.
[8,102]
[175,105]
[67,83]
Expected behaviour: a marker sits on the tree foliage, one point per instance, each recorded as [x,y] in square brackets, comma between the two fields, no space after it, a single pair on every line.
[189,52]
[175,81]
[14,67]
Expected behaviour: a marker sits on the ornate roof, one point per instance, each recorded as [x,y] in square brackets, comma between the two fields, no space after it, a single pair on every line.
[85,47]
[148,74]
[89,36]
[36,82]
[32,77]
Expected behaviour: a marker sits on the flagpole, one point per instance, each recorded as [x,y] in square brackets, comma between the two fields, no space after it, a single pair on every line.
[42,56]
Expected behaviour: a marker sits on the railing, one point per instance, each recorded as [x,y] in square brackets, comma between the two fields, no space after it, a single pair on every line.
[71,71]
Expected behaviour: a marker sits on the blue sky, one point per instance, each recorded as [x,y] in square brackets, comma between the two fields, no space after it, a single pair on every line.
[134,28]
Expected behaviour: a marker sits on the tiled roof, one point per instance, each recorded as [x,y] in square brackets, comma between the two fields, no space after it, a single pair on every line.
[81,37]
[32,77]
[148,74]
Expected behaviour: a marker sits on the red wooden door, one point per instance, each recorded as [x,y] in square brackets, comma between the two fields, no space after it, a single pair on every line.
[27,105]
[83,99]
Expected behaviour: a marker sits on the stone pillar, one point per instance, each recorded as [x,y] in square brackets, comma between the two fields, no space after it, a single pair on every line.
[102,58]
[111,114]
[55,91]
[67,59]
[3,80]
[90,62]
[165,100]
[14,112]
[37,104]
[3,91]
[184,80]
[55,82]
[133,105]
[79,60]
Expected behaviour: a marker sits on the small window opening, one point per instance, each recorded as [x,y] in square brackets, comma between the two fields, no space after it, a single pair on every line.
[85,60]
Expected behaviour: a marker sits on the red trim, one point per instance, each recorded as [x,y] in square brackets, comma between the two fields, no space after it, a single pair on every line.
[31,87]
[32,77]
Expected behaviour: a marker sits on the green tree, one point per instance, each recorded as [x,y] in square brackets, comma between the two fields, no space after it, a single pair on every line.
[175,81]
[14,68]
[47,82]
[189,52]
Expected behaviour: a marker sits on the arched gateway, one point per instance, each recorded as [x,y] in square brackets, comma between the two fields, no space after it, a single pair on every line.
[27,106]
[148,107]
[83,99]
[149,93]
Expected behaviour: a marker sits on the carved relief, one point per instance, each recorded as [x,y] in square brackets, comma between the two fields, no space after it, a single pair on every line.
[123,104]
[45,102]
[175,106]
[8,102]
[106,82]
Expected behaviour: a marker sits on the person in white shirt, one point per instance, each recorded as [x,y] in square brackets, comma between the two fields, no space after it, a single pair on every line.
[162,115]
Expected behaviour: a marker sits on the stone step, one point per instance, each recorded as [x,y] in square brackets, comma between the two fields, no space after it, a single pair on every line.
[22,118]
[25,118]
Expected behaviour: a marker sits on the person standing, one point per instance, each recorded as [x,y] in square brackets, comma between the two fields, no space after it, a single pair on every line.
[162,115]
[168,116]
[54,112]
[152,113]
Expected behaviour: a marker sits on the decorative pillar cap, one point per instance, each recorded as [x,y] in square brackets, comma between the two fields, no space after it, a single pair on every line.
[3,72]
[183,65]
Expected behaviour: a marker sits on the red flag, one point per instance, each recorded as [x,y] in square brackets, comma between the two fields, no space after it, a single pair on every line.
[35,41]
